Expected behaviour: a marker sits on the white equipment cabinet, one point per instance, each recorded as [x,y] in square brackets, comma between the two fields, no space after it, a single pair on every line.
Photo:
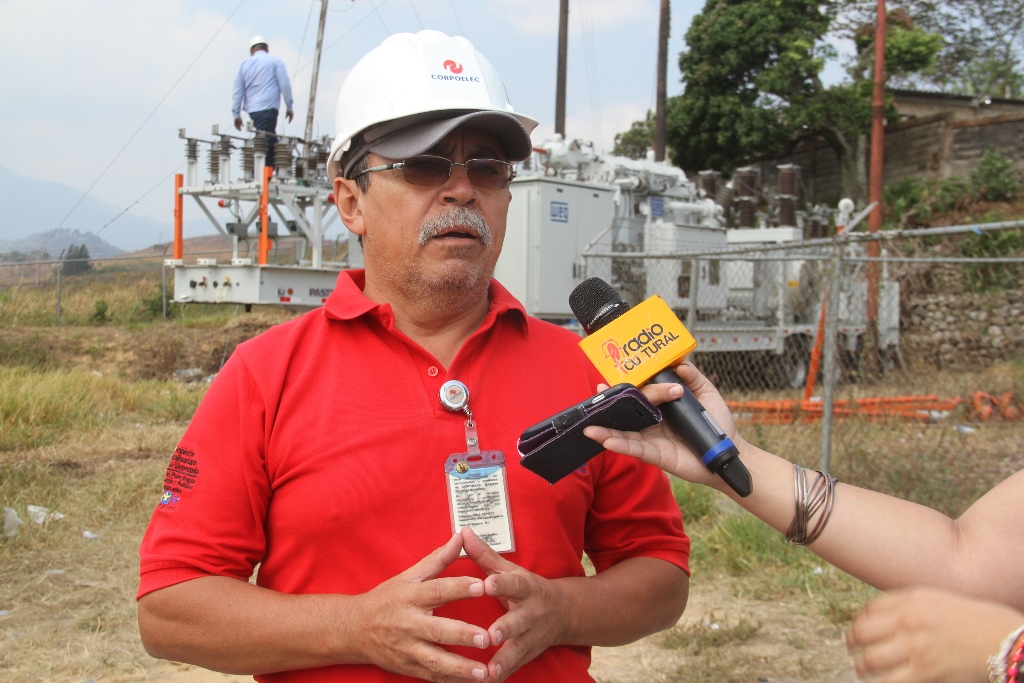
[550,222]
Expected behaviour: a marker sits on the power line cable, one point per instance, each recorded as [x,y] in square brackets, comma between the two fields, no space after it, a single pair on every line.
[420,21]
[458,22]
[379,17]
[305,32]
[342,36]
[144,195]
[143,124]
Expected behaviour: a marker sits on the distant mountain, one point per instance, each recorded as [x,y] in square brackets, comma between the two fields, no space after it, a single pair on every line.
[53,242]
[29,206]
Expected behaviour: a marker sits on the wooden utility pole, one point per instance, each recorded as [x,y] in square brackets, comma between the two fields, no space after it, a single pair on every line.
[316,71]
[563,50]
[877,169]
[660,103]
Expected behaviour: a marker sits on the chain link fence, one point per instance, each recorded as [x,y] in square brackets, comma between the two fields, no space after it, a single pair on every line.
[123,289]
[847,353]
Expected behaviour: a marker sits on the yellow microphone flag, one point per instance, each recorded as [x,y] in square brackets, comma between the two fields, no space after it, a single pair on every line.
[639,344]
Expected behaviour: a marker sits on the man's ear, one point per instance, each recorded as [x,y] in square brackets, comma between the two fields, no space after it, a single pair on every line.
[346,196]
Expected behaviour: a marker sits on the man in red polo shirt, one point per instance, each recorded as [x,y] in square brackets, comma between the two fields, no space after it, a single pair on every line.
[336,451]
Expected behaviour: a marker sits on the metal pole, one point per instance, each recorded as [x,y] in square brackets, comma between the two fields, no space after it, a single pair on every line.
[264,245]
[179,241]
[316,72]
[691,309]
[660,103]
[563,47]
[163,289]
[60,268]
[877,171]
[829,358]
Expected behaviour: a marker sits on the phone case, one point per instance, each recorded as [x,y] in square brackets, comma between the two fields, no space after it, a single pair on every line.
[557,446]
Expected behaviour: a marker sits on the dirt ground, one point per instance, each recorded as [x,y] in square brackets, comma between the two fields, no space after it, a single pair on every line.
[71,610]
[69,600]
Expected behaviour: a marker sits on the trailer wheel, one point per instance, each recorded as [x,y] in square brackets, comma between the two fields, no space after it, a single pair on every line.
[791,366]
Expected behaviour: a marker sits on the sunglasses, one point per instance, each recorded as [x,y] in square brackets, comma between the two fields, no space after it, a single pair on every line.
[429,171]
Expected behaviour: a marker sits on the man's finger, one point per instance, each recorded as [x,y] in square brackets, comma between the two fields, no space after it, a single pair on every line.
[451,632]
[436,562]
[506,660]
[433,663]
[484,555]
[436,592]
[507,586]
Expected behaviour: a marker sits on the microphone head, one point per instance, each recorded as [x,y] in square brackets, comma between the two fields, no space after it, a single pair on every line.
[595,303]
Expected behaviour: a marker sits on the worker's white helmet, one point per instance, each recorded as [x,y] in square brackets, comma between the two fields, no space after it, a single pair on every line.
[257,40]
[412,79]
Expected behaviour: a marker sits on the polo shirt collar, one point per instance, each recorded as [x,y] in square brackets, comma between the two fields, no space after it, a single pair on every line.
[347,301]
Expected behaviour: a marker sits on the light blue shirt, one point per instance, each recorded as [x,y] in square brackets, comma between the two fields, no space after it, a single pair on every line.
[261,81]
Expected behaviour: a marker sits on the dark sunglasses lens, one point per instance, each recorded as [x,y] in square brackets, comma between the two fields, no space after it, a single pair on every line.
[426,170]
[489,174]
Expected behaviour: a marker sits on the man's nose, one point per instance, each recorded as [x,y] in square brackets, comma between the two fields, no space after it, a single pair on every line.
[457,189]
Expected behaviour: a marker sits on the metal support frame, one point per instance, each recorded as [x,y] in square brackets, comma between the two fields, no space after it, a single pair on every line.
[829,357]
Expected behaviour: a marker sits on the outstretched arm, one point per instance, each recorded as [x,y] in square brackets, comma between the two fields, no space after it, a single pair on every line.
[884,541]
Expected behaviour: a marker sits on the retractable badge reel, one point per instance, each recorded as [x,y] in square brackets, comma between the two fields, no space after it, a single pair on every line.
[476,480]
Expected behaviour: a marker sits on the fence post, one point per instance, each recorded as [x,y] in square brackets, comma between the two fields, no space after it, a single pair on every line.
[163,288]
[828,383]
[60,269]
[691,309]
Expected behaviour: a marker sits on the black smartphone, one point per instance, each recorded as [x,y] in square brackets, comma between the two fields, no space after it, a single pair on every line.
[570,415]
[557,446]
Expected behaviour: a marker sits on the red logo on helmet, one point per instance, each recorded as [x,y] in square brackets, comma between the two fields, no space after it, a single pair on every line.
[453,66]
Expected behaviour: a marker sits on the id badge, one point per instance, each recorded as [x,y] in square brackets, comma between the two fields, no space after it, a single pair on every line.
[478,497]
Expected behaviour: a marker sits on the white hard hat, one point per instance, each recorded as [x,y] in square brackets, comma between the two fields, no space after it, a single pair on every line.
[411,79]
[257,40]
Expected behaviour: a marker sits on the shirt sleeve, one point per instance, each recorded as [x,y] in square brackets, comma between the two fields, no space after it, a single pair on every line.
[213,506]
[284,83]
[236,100]
[634,514]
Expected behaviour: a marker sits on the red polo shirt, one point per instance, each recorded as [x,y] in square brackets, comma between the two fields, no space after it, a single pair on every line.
[319,452]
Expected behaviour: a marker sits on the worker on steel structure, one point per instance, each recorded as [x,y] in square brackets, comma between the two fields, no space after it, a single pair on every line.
[335,451]
[261,81]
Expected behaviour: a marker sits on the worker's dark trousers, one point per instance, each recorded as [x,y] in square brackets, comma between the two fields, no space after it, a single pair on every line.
[266,120]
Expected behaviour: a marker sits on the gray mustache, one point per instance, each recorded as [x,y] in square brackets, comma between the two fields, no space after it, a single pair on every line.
[454,219]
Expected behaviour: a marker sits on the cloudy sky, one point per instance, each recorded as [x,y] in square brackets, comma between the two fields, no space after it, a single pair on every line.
[82,77]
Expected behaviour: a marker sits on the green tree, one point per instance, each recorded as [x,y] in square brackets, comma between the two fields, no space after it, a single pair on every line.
[981,49]
[753,88]
[76,260]
[635,142]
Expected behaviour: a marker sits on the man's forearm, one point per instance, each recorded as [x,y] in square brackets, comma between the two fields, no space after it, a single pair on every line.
[235,627]
[626,602]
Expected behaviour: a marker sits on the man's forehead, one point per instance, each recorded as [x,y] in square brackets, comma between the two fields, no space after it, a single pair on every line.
[476,143]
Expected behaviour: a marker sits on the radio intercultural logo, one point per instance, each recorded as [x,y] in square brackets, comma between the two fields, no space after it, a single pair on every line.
[646,344]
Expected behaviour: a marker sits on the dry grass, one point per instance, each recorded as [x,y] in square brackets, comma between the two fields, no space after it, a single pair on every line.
[41,407]
[70,599]
[95,447]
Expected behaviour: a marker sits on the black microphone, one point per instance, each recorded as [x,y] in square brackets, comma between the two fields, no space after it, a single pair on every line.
[595,303]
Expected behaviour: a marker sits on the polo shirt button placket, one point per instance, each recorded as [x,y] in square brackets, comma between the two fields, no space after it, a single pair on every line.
[432,371]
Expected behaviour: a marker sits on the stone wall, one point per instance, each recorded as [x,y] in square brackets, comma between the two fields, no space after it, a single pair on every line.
[962,330]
